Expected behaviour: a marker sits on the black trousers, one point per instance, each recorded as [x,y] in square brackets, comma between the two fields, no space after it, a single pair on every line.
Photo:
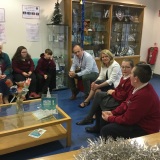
[20,77]
[115,130]
[44,84]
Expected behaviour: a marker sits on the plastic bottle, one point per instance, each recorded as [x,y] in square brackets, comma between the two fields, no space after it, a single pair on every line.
[48,94]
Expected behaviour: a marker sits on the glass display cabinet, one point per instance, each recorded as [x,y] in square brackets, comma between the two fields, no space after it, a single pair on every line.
[90,26]
[126,30]
[101,24]
[58,43]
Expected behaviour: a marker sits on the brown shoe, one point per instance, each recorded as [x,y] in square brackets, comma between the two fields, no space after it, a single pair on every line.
[74,95]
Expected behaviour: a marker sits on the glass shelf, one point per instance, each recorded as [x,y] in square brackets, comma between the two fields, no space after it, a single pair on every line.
[94,36]
[126,30]
[58,42]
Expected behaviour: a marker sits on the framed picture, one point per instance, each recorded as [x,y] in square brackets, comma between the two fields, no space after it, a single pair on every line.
[2,15]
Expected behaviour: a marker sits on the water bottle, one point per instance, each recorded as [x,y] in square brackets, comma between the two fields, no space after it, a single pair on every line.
[48,94]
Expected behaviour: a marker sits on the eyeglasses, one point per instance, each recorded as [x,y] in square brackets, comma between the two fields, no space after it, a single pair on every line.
[125,67]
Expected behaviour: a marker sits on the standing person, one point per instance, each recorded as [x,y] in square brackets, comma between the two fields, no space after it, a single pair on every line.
[109,76]
[5,73]
[23,67]
[111,99]
[45,72]
[139,115]
[83,67]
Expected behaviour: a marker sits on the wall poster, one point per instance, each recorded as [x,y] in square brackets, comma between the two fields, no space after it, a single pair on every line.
[32,31]
[2,15]
[2,33]
[30,12]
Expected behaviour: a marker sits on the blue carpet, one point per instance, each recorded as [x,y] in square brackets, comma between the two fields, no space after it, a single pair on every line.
[79,136]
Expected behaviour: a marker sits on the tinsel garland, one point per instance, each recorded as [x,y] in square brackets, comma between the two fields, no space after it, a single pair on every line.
[120,149]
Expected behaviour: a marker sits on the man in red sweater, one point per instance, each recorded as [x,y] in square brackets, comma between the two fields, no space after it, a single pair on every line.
[140,114]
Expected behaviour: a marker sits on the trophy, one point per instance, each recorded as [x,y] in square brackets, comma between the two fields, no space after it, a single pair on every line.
[120,15]
[106,13]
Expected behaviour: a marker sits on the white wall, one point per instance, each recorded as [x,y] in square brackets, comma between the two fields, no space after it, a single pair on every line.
[16,34]
[156,34]
[15,28]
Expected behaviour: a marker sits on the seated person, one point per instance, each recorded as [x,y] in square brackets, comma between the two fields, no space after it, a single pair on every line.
[45,72]
[23,67]
[111,99]
[139,115]
[88,71]
[5,74]
[109,76]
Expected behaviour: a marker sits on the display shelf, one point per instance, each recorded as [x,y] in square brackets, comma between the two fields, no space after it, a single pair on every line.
[107,25]
[58,42]
[126,30]
[95,28]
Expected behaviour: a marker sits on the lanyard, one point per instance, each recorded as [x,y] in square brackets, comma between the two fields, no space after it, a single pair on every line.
[80,61]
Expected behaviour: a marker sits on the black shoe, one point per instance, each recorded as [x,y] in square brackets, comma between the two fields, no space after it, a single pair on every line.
[84,104]
[85,122]
[93,129]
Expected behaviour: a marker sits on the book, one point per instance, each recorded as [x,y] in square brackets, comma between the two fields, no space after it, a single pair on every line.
[42,114]
[37,133]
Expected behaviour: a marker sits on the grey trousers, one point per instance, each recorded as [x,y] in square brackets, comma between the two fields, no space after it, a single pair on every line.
[86,80]
[101,102]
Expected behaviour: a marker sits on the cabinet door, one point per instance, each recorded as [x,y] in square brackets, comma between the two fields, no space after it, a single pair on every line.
[91,26]
[58,43]
[126,30]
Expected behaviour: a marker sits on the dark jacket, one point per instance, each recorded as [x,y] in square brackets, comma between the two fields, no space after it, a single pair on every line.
[5,64]
[45,65]
[22,66]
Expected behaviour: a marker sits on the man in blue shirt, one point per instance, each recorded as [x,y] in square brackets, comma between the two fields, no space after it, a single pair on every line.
[83,67]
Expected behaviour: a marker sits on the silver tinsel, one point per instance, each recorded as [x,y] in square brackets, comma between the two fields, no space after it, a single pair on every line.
[121,149]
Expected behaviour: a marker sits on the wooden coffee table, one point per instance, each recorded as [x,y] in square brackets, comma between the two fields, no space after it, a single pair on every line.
[151,139]
[15,127]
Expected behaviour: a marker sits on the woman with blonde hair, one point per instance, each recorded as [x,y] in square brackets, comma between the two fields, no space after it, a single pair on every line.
[108,78]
